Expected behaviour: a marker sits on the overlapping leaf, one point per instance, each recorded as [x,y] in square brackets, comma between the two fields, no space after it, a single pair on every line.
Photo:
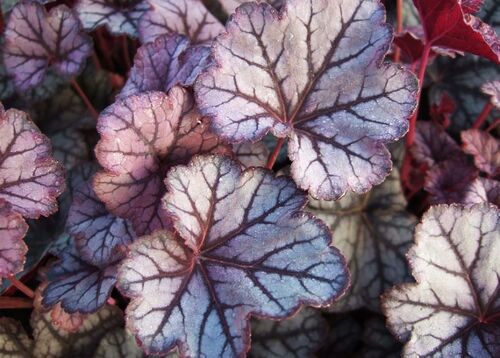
[119,16]
[12,247]
[482,190]
[143,136]
[97,233]
[36,40]
[30,179]
[186,17]
[299,336]
[251,154]
[326,90]
[244,248]
[231,5]
[164,63]
[453,309]
[484,148]
[493,90]
[374,231]
[14,342]
[118,343]
[377,341]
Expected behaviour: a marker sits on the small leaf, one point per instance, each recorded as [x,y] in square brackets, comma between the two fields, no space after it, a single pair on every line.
[14,342]
[299,336]
[326,90]
[484,148]
[97,233]
[482,190]
[165,63]
[36,40]
[493,90]
[142,137]
[77,285]
[373,231]
[453,309]
[231,5]
[245,248]
[30,179]
[12,247]
[433,145]
[120,17]
[118,343]
[251,154]
[446,24]
[186,17]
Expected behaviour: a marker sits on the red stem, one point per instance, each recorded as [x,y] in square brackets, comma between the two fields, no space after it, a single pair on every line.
[21,286]
[399,27]
[483,115]
[15,302]
[493,125]
[85,99]
[272,157]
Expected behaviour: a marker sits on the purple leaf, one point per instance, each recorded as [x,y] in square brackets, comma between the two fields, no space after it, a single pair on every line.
[299,336]
[251,154]
[453,309]
[231,5]
[326,90]
[482,190]
[14,342]
[120,17]
[36,40]
[374,232]
[164,63]
[141,138]
[185,17]
[12,247]
[433,145]
[97,233]
[30,179]
[484,148]
[493,90]
[77,285]
[245,247]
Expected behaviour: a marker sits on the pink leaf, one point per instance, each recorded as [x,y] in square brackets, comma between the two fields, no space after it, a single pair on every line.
[245,248]
[36,40]
[453,309]
[484,148]
[142,137]
[326,90]
[12,247]
[30,179]
[493,90]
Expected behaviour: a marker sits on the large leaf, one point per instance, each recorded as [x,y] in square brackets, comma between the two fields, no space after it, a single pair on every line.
[30,179]
[299,336]
[12,247]
[14,342]
[186,17]
[244,248]
[374,231]
[143,136]
[453,309]
[36,40]
[327,90]
[164,63]
[484,148]
[119,16]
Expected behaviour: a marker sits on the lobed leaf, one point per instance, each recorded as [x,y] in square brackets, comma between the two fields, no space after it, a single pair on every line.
[120,17]
[165,63]
[433,145]
[493,90]
[373,231]
[36,40]
[484,148]
[325,90]
[30,179]
[245,248]
[186,17]
[142,137]
[453,309]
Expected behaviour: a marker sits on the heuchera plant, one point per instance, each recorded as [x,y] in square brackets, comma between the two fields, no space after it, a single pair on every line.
[272,178]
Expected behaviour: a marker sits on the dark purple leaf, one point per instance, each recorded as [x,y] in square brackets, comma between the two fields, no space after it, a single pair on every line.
[97,233]
[326,90]
[245,247]
[492,89]
[77,285]
[433,145]
[12,247]
[484,148]
[141,138]
[30,179]
[299,336]
[482,190]
[14,342]
[454,308]
[119,16]
[164,63]
[448,181]
[251,154]
[374,232]
[36,40]
[185,17]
